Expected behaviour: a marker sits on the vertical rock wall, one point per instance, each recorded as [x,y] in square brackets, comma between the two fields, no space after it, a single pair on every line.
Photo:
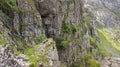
[30,25]
[62,20]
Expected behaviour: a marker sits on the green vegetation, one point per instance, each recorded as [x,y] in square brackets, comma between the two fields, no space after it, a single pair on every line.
[86,20]
[87,56]
[86,61]
[39,39]
[31,55]
[70,29]
[31,51]
[3,41]
[10,3]
[62,43]
[93,63]
[66,28]
[35,57]
[107,45]
[92,41]
[82,34]
[75,28]
[90,61]
[77,64]
[8,7]
[101,47]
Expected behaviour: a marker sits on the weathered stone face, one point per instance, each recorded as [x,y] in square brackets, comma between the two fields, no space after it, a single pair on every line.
[105,11]
[46,7]
[48,12]
[9,59]
[29,21]
[47,50]
[71,23]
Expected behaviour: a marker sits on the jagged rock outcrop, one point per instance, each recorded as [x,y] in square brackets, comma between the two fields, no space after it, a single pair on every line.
[48,12]
[107,17]
[55,15]
[30,23]
[61,20]
[71,26]
[48,54]
[105,11]
[7,58]
[45,53]
[12,37]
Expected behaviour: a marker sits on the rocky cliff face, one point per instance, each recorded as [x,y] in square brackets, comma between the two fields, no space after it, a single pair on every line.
[105,11]
[55,33]
[106,14]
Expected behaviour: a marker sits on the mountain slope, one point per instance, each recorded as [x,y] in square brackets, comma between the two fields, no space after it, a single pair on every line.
[52,33]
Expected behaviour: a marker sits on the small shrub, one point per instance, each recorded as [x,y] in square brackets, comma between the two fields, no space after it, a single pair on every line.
[90,61]
[62,43]
[87,56]
[66,28]
[30,53]
[35,58]
[104,53]
[32,65]
[39,39]
[86,20]
[92,41]
[3,42]
[76,64]
[70,29]
[75,28]
[10,3]
[93,63]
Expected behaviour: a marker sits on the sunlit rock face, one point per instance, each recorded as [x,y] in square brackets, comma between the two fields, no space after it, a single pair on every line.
[106,11]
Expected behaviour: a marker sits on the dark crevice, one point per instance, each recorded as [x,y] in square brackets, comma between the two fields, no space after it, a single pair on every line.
[49,32]
[48,16]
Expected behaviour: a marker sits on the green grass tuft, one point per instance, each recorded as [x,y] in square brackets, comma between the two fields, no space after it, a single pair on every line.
[62,43]
[93,63]
[107,45]
[70,29]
